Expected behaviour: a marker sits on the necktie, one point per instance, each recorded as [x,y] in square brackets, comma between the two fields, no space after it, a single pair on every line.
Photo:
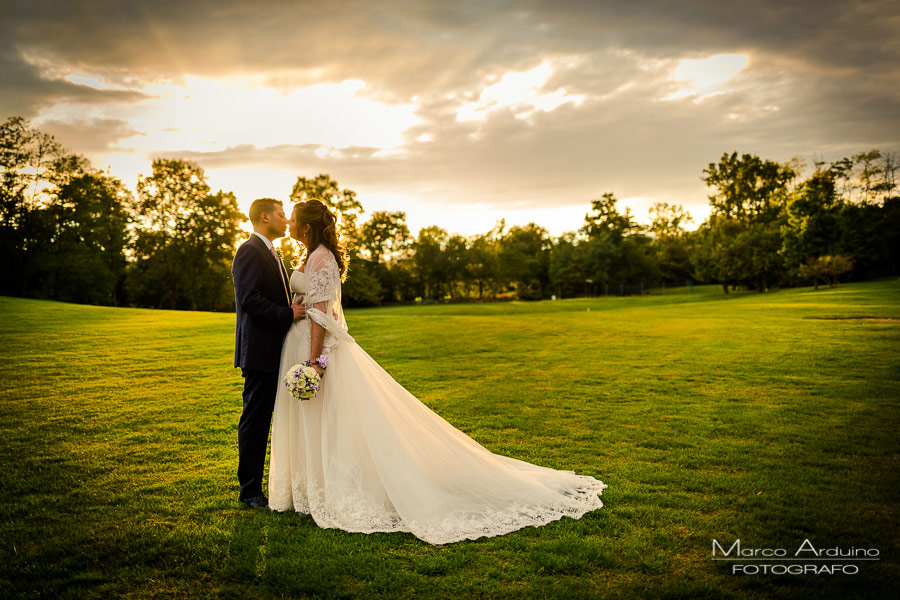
[281,273]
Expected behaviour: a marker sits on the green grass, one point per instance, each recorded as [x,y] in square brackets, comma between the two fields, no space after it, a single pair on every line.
[709,416]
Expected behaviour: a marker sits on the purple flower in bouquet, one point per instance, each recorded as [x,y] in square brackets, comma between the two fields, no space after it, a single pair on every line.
[302,382]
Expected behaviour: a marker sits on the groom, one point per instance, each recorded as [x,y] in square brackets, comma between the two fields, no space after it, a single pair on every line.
[264,314]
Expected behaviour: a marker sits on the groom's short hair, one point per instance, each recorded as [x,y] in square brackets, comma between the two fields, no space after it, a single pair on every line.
[260,206]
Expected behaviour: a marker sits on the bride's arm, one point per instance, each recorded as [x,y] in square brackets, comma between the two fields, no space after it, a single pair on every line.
[318,341]
[320,294]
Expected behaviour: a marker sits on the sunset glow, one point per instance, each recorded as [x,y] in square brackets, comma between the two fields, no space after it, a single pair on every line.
[456,115]
[706,77]
[521,92]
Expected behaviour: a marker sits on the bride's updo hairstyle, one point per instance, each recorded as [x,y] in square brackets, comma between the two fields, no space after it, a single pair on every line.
[322,231]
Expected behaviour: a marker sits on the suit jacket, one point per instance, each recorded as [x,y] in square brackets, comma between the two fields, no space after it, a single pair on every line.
[263,309]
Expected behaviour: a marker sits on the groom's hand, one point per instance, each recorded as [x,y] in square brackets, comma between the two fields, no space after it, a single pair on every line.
[298,308]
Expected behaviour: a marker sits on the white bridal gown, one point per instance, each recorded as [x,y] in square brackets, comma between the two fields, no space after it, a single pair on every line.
[365,455]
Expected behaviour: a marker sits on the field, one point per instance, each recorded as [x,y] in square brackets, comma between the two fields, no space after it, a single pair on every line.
[769,418]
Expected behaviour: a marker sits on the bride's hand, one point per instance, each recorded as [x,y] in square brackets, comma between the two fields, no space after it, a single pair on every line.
[319,370]
[299,309]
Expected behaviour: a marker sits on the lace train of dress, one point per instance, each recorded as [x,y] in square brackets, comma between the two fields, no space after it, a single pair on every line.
[366,456]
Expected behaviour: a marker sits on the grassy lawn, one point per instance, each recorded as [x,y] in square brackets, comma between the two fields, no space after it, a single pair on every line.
[772,418]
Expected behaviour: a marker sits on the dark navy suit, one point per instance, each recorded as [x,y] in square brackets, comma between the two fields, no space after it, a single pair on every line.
[264,316]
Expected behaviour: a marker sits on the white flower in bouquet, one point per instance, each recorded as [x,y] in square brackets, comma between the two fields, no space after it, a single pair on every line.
[302,382]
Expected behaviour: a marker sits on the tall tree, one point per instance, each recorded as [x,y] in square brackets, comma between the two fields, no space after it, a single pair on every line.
[456,255]
[605,218]
[718,255]
[869,233]
[343,202]
[185,239]
[812,225]
[482,260]
[668,220]
[870,172]
[671,242]
[889,167]
[748,188]
[566,266]
[842,172]
[616,249]
[84,258]
[15,136]
[429,262]
[524,260]
[748,206]
[28,158]
[384,235]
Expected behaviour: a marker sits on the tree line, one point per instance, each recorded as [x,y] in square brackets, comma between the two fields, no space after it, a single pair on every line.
[74,233]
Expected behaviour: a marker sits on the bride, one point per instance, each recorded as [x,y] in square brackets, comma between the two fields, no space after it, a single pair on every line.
[364,455]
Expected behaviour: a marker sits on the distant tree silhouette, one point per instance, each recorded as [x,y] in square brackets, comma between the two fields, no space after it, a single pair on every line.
[524,260]
[72,233]
[85,257]
[384,235]
[185,239]
[672,244]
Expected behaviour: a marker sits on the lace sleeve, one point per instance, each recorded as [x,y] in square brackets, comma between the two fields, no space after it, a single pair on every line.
[323,281]
[322,277]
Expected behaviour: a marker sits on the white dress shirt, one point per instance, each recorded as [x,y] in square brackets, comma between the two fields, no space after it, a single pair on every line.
[268,242]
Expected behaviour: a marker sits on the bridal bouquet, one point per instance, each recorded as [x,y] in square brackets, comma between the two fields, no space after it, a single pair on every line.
[302,382]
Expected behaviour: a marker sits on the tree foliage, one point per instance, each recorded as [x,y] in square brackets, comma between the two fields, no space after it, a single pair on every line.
[384,236]
[85,258]
[72,233]
[826,268]
[748,188]
[672,243]
[185,239]
[342,202]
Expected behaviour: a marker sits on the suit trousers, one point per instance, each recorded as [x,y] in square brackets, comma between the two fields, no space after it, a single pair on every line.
[260,388]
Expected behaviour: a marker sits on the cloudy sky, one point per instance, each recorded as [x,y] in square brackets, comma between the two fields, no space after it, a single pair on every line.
[458,113]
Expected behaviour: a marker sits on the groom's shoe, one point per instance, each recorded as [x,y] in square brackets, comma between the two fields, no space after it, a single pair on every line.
[256,502]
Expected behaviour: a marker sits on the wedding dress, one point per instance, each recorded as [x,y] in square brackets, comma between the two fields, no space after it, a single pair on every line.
[364,455]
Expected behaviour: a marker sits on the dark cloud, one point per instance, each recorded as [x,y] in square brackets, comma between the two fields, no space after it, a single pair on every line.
[827,33]
[821,78]
[427,45]
[407,48]
[25,90]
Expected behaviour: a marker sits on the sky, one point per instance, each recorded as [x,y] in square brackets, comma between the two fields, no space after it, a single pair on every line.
[457,113]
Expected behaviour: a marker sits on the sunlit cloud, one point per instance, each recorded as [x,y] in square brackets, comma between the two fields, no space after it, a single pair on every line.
[706,77]
[520,91]
[90,81]
[215,114]
[204,114]
[412,105]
